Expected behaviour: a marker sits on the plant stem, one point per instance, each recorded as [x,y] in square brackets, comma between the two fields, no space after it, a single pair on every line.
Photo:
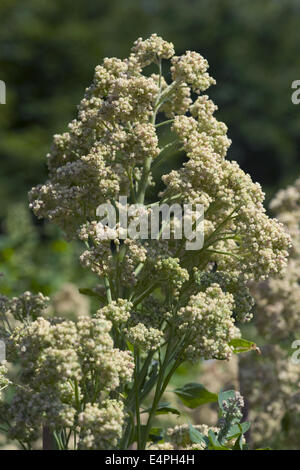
[137,403]
[164,123]
[108,289]
[162,155]
[157,392]
[147,165]
[48,439]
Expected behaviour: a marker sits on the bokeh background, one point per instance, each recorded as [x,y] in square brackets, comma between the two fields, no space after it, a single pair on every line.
[48,52]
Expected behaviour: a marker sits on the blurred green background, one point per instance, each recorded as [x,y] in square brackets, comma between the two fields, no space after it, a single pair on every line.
[49,49]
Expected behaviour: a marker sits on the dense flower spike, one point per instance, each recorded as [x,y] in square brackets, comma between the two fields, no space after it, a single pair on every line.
[152,49]
[101,426]
[191,68]
[207,320]
[235,285]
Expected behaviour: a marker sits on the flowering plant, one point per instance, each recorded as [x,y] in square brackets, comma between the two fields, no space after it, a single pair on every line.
[273,378]
[87,382]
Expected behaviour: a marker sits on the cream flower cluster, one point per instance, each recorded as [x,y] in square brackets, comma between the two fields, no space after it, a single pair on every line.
[179,436]
[64,366]
[101,258]
[235,218]
[24,308]
[278,300]
[207,320]
[191,68]
[108,147]
[152,49]
[117,311]
[145,338]
[271,382]
[4,380]
[134,325]
[236,286]
[101,426]
[170,275]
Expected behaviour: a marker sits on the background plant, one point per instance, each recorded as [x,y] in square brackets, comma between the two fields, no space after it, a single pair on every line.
[271,381]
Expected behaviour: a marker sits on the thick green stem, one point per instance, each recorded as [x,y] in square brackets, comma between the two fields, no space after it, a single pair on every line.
[137,401]
[108,290]
[144,181]
[130,401]
[157,392]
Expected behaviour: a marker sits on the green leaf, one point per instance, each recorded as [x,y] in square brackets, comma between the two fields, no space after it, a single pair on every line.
[193,395]
[156,434]
[214,444]
[91,293]
[238,445]
[88,292]
[163,409]
[152,377]
[238,429]
[197,437]
[130,346]
[241,345]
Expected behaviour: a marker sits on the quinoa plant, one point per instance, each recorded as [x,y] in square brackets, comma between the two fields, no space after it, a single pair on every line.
[98,383]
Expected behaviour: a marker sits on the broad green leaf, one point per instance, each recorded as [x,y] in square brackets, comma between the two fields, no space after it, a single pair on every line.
[88,292]
[197,437]
[238,445]
[163,409]
[160,405]
[156,434]
[214,444]
[238,429]
[130,346]
[91,293]
[152,377]
[193,395]
[241,345]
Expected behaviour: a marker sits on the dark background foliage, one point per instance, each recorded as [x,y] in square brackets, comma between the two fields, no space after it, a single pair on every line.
[49,49]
